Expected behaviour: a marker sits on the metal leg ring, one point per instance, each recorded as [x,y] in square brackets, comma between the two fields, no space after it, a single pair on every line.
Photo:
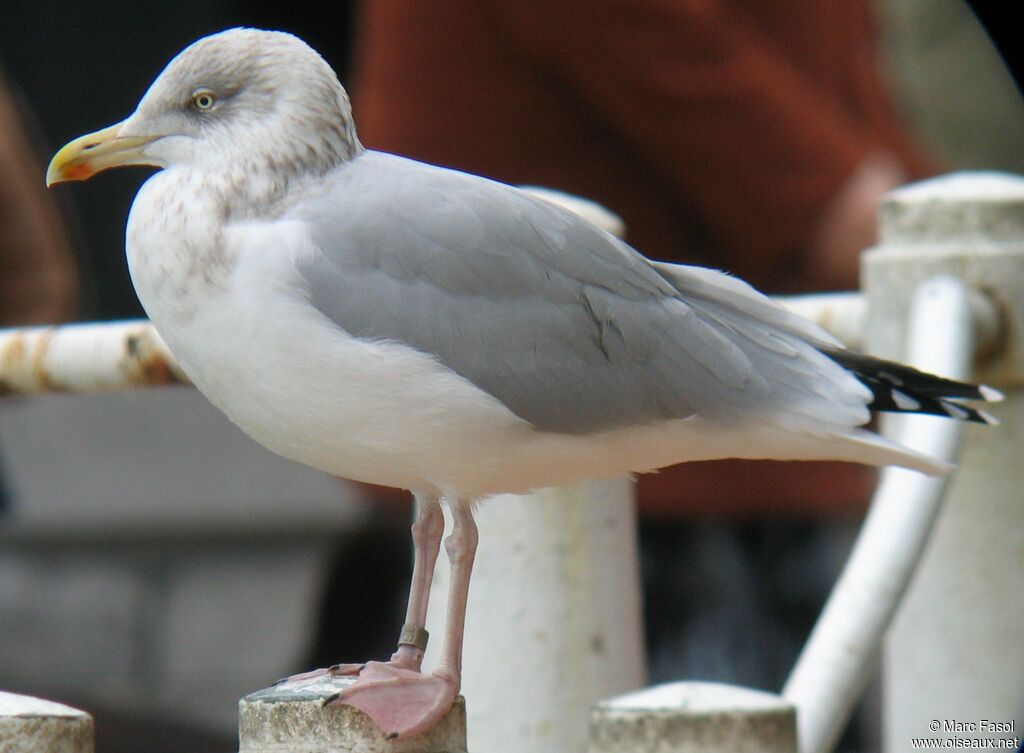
[414,635]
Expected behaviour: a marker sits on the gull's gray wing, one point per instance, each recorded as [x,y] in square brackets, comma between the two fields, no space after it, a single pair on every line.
[567,326]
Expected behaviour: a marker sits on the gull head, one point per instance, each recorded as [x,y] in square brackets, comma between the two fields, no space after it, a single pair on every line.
[239,102]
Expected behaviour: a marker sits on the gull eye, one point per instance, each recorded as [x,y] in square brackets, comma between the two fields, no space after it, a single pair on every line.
[203,99]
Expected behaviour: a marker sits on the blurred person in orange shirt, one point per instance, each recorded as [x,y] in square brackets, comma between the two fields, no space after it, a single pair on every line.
[750,136]
[39,280]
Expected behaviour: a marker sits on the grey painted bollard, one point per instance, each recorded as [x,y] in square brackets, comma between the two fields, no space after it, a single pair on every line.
[955,655]
[694,717]
[32,725]
[291,718]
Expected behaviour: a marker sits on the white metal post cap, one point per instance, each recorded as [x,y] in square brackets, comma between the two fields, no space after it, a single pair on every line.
[694,717]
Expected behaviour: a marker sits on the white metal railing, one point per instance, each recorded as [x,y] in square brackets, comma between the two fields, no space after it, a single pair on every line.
[98,357]
[841,655]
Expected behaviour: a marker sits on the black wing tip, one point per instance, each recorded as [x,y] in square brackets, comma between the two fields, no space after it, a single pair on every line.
[896,388]
[962,412]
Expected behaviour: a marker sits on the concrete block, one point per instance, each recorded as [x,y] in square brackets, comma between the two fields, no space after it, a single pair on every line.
[292,718]
[32,725]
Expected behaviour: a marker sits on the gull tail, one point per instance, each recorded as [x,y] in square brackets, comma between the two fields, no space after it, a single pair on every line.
[901,389]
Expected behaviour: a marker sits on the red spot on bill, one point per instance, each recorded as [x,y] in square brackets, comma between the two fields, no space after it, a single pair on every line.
[78,172]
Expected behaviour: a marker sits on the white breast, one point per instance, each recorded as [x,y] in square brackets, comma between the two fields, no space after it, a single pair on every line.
[373,411]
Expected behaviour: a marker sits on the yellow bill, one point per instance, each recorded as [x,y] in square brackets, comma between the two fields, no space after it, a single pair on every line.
[87,155]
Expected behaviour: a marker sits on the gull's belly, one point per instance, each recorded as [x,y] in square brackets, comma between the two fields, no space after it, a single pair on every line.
[384,413]
[373,411]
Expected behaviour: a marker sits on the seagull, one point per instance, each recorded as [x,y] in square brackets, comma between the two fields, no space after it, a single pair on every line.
[402,324]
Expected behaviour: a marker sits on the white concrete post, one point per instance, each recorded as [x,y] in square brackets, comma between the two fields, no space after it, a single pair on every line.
[694,717]
[32,725]
[956,651]
[553,623]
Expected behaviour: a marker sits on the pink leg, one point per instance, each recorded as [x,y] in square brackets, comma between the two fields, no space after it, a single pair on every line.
[404,702]
[427,531]
[461,549]
[426,539]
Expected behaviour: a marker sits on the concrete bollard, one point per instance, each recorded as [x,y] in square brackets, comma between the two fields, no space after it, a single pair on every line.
[291,718]
[553,624]
[955,656]
[694,717]
[32,725]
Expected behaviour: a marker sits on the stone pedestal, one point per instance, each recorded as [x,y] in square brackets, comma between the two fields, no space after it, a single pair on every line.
[292,718]
[32,725]
[694,717]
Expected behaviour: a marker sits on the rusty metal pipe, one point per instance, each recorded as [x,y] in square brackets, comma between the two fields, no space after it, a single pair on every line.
[95,357]
[85,358]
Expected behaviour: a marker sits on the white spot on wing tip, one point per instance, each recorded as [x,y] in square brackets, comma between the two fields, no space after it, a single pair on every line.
[991,394]
[954,410]
[988,418]
[890,378]
[904,401]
